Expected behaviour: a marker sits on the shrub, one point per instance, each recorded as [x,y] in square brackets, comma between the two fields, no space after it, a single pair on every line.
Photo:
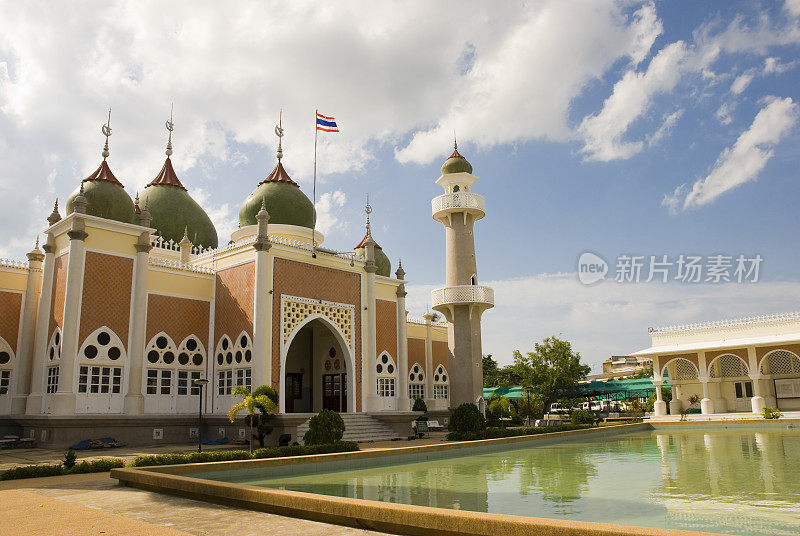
[69,459]
[229,455]
[463,436]
[492,433]
[97,466]
[772,413]
[32,471]
[581,416]
[467,418]
[326,426]
[419,404]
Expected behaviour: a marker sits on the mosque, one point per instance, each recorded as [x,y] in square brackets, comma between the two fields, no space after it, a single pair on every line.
[132,301]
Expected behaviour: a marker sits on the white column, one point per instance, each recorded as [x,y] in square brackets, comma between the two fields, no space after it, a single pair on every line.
[64,399]
[134,400]
[262,319]
[371,345]
[660,407]
[757,402]
[25,355]
[706,404]
[429,400]
[34,402]
[403,402]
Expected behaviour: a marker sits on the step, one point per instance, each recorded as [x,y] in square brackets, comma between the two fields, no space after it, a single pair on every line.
[359,427]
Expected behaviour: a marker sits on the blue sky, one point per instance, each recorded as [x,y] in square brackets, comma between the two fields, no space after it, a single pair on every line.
[633,128]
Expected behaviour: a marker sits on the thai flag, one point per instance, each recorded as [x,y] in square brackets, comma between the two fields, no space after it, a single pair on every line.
[326,124]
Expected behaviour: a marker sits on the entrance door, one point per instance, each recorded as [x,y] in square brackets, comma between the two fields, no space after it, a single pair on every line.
[294,389]
[744,392]
[334,392]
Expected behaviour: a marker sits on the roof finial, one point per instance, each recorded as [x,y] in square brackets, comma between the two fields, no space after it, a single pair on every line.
[106,129]
[368,210]
[279,133]
[263,203]
[186,232]
[37,242]
[54,216]
[170,127]
[455,141]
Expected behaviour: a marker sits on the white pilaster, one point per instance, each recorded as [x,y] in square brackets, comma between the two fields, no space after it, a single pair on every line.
[429,401]
[660,407]
[33,405]
[706,404]
[25,356]
[757,403]
[134,400]
[403,402]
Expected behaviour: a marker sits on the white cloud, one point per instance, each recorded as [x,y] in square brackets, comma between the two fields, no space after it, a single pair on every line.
[329,211]
[221,215]
[673,200]
[747,157]
[665,129]
[793,7]
[608,318]
[725,113]
[741,82]
[773,65]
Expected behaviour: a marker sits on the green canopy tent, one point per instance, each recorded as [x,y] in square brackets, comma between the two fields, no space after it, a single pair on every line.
[598,389]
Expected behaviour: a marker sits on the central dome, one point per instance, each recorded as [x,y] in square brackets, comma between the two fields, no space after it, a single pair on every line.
[456,163]
[105,196]
[286,203]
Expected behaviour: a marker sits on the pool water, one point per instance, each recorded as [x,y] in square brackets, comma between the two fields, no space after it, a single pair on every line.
[742,481]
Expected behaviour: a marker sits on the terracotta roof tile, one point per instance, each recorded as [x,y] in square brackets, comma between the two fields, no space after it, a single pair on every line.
[279,175]
[167,176]
[103,173]
[361,244]
[456,154]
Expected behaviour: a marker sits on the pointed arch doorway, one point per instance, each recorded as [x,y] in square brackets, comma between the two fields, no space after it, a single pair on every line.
[317,369]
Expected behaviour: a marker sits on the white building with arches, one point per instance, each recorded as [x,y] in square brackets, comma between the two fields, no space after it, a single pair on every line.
[734,366]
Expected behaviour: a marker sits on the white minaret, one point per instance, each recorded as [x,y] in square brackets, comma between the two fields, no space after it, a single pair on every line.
[462,300]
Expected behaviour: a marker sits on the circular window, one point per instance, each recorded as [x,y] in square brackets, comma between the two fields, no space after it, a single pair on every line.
[152,356]
[161,342]
[183,358]
[191,345]
[243,341]
[219,359]
[248,355]
[416,368]
[52,353]
[436,378]
[197,359]
[58,338]
[385,359]
[5,357]
[90,351]
[380,368]
[59,351]
[390,368]
[114,353]
[413,376]
[169,357]
[327,365]
[444,378]
[239,356]
[420,376]
[229,358]
[224,344]
[103,338]
[332,352]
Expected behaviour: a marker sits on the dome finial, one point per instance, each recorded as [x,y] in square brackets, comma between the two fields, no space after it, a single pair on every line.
[106,129]
[368,211]
[279,133]
[170,127]
[455,141]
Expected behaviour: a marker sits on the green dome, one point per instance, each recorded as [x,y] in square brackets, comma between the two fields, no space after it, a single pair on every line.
[456,164]
[105,196]
[173,210]
[286,203]
[382,262]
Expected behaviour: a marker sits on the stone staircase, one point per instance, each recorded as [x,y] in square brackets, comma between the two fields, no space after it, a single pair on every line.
[358,427]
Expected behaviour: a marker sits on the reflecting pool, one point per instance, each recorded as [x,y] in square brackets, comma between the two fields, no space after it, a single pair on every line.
[744,481]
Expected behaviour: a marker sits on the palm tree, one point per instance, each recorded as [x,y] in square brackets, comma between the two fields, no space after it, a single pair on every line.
[250,403]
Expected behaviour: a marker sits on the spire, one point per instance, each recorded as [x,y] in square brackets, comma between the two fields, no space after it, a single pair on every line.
[35,255]
[80,202]
[54,216]
[106,129]
[185,239]
[455,141]
[144,216]
[368,211]
[279,133]
[170,127]
[400,273]
[136,208]
[279,173]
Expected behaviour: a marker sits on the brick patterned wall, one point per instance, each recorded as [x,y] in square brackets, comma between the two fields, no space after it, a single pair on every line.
[386,324]
[178,318]
[416,352]
[11,307]
[310,281]
[106,299]
[441,355]
[764,350]
[59,291]
[233,309]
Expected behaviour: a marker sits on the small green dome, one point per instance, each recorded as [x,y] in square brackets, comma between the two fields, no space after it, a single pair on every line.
[173,210]
[105,196]
[456,163]
[286,203]
[382,262]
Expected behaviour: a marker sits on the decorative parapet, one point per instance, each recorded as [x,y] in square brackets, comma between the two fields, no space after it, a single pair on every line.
[10,263]
[180,266]
[280,240]
[420,320]
[462,294]
[466,202]
[171,245]
[749,320]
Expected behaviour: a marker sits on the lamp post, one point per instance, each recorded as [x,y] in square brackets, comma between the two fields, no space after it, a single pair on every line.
[528,391]
[200,383]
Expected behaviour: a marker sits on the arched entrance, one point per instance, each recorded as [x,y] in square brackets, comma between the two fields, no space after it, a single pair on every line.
[317,369]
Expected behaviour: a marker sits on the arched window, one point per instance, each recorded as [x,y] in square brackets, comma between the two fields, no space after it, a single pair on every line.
[456,188]
[780,362]
[101,362]
[191,357]
[441,384]
[727,366]
[416,382]
[385,368]
[233,363]
[161,355]
[474,279]
[6,364]
[53,359]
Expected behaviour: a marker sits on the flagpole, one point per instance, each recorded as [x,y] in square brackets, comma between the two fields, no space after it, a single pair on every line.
[314,189]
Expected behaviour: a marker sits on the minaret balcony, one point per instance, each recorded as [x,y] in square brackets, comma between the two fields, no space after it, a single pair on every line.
[479,298]
[444,206]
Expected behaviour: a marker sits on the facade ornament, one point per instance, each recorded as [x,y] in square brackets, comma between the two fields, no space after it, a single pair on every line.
[80,202]
[106,130]
[262,237]
[54,216]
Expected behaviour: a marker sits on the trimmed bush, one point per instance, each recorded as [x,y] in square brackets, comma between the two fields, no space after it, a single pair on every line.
[772,413]
[36,471]
[463,436]
[97,466]
[492,433]
[581,416]
[419,404]
[467,418]
[69,459]
[325,427]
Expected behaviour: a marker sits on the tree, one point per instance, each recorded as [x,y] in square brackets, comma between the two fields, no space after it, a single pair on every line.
[552,369]
[251,404]
[263,420]
[490,371]
[646,372]
[666,396]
